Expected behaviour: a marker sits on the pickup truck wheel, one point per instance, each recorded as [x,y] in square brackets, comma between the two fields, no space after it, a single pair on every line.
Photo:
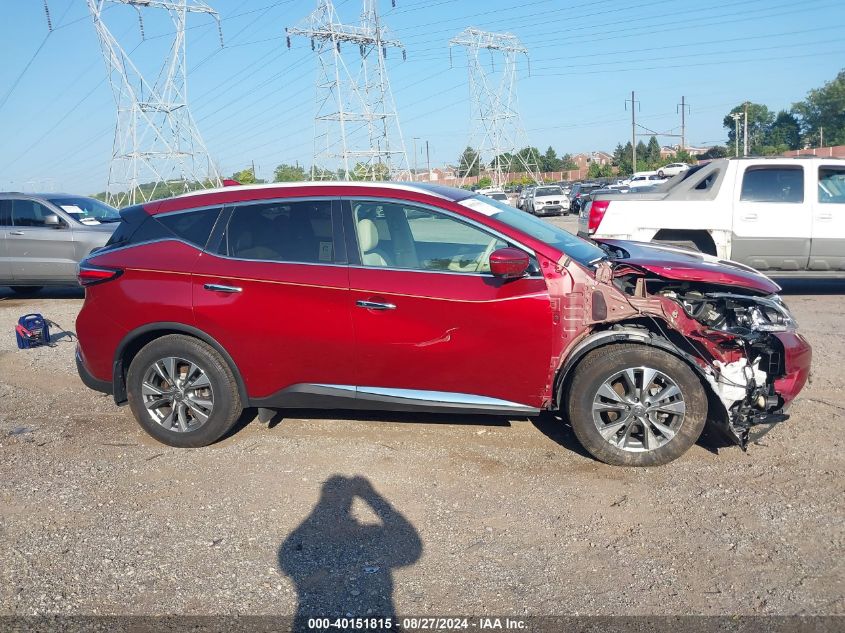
[632,405]
[182,392]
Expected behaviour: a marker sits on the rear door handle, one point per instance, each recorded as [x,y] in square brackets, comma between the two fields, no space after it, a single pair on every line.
[374,305]
[749,216]
[221,288]
[824,216]
[16,232]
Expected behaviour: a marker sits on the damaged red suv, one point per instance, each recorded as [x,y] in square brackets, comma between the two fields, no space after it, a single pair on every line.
[418,297]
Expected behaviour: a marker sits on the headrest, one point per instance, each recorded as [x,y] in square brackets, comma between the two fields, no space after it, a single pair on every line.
[367,235]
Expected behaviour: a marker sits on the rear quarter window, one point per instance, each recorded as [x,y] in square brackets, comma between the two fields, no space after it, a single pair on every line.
[138,227]
[192,226]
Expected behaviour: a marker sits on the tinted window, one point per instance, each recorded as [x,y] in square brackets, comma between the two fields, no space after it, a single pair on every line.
[5,212]
[286,232]
[29,213]
[773,184]
[194,226]
[832,185]
[420,239]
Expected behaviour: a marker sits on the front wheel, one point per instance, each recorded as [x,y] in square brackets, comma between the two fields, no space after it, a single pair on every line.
[632,405]
[182,392]
[660,174]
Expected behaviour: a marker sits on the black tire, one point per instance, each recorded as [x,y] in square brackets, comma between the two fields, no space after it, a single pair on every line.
[660,173]
[592,372]
[226,398]
[26,290]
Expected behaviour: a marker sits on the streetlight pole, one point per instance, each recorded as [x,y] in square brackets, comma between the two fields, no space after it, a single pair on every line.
[745,132]
[428,161]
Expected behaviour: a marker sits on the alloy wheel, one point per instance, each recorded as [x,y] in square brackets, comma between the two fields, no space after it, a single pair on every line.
[638,409]
[177,394]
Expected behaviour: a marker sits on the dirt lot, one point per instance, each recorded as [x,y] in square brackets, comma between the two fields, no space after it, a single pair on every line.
[436,515]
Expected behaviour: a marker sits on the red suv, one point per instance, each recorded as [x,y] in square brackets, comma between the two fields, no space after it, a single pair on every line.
[420,297]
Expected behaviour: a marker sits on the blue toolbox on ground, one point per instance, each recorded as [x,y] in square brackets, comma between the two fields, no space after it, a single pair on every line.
[32,331]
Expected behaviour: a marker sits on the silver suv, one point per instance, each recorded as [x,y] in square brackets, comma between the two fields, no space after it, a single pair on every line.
[43,237]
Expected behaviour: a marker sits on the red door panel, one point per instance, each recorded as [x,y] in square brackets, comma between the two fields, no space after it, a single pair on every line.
[464,333]
[290,323]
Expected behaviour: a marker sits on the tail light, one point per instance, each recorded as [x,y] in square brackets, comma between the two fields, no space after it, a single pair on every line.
[89,275]
[596,214]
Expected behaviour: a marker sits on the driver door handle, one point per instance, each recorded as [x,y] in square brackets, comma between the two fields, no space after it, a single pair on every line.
[375,305]
[222,288]
[16,232]
[749,216]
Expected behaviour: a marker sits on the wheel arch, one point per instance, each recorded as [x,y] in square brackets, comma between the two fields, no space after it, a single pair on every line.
[628,333]
[702,238]
[132,343]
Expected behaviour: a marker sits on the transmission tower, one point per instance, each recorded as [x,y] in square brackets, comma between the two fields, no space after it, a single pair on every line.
[156,142]
[356,124]
[496,129]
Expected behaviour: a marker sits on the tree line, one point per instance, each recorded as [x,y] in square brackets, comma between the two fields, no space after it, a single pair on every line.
[817,120]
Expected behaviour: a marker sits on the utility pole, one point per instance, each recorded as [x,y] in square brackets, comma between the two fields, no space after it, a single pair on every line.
[745,132]
[428,161]
[821,136]
[683,105]
[414,177]
[254,175]
[736,116]
[633,131]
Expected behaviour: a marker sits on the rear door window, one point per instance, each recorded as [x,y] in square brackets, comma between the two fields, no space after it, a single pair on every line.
[783,184]
[297,232]
[832,185]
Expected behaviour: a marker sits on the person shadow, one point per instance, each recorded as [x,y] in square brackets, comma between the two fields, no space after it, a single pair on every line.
[343,567]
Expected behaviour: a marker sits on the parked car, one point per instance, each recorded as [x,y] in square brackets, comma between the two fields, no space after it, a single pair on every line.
[580,189]
[645,179]
[497,195]
[524,196]
[780,215]
[43,237]
[547,200]
[672,169]
[425,298]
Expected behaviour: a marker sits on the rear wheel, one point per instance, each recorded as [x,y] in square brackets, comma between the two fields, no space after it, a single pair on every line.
[26,290]
[632,405]
[182,392]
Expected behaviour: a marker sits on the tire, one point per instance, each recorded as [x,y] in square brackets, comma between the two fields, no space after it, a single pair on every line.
[661,174]
[190,404]
[588,407]
[26,290]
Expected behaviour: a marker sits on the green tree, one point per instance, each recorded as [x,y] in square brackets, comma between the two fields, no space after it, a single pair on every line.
[718,151]
[642,161]
[784,133]
[824,108]
[469,163]
[367,171]
[652,153]
[760,119]
[289,173]
[549,161]
[245,176]
[484,182]
[566,163]
[599,171]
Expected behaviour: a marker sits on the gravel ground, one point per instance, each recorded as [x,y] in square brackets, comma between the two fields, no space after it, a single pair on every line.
[412,514]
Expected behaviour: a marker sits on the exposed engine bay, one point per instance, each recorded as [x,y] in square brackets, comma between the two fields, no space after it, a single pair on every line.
[728,333]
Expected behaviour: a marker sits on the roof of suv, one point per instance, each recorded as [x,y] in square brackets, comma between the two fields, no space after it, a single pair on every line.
[441,191]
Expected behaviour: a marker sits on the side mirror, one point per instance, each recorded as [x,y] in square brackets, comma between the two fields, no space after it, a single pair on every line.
[509,263]
[53,221]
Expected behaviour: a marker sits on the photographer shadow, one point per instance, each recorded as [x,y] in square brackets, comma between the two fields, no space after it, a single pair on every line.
[343,567]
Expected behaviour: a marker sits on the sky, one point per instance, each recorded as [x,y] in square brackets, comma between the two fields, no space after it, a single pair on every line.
[254,99]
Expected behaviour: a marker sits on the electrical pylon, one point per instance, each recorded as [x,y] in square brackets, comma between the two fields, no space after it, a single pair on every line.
[156,142]
[496,129]
[355,125]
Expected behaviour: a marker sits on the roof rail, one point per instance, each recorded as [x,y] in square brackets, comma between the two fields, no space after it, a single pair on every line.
[805,156]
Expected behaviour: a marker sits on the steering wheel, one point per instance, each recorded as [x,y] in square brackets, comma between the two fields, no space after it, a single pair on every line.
[482,262]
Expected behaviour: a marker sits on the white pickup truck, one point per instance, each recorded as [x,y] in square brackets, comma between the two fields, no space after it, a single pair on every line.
[785,216]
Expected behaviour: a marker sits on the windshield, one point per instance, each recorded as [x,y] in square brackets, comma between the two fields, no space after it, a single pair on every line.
[582,251]
[86,210]
[497,196]
[548,191]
